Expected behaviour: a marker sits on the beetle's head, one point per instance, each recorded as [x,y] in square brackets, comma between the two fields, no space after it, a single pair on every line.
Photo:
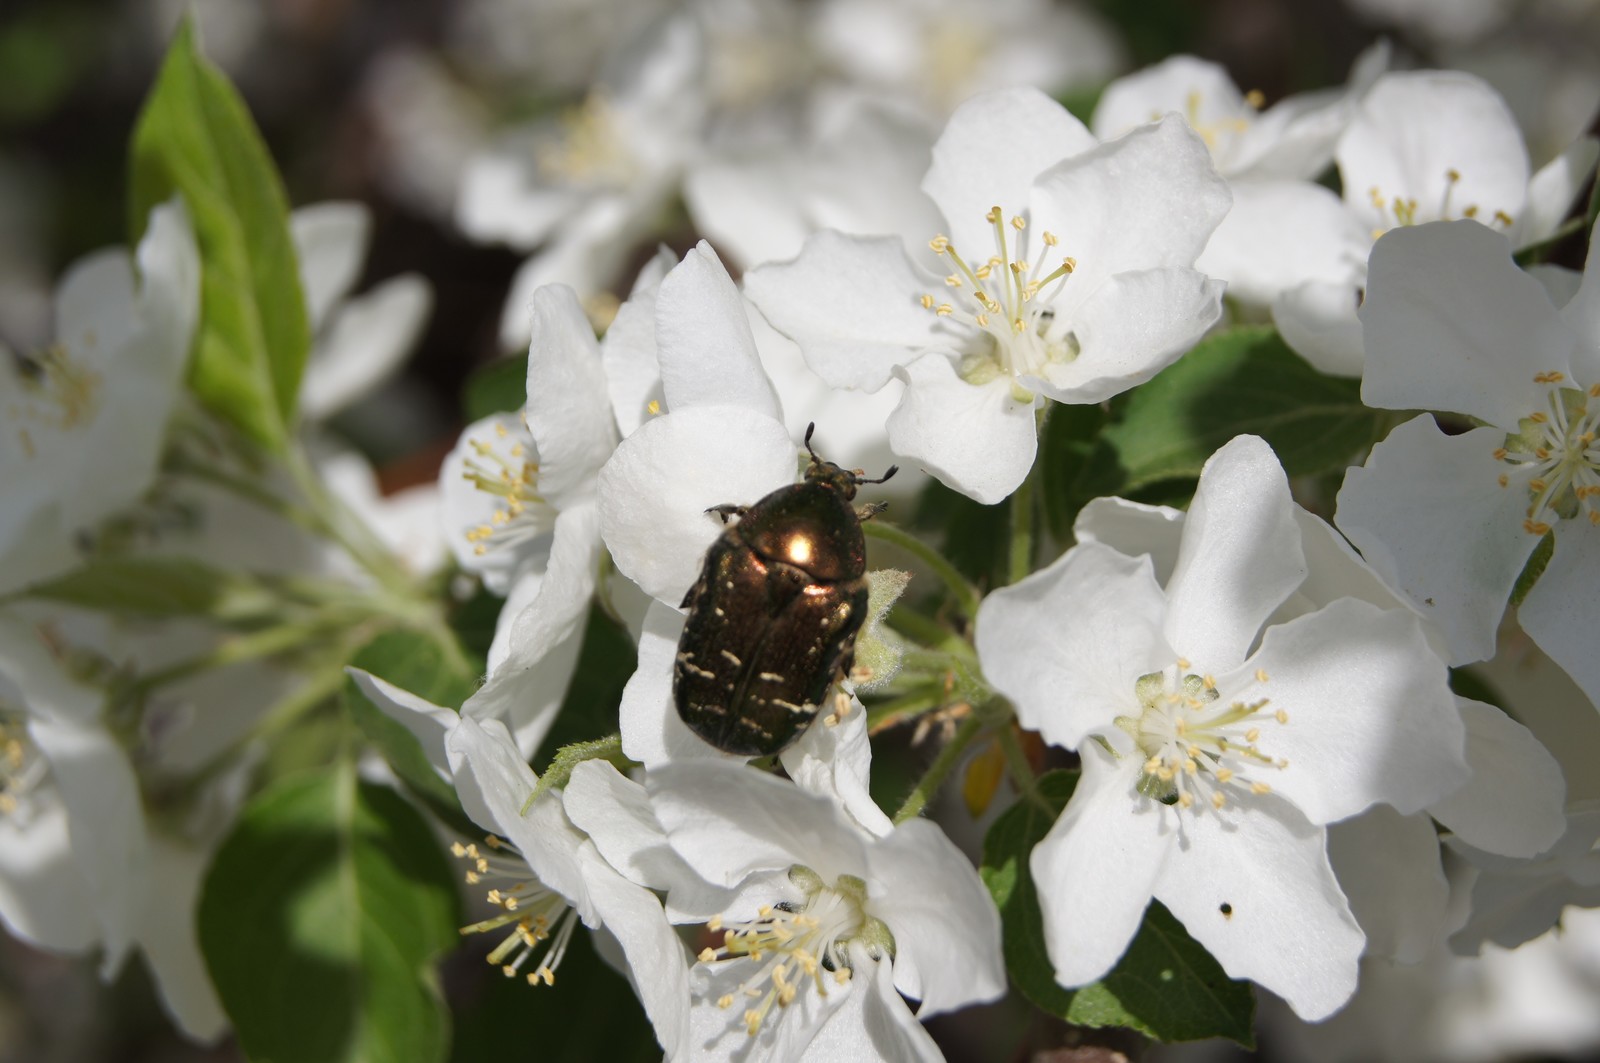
[845,481]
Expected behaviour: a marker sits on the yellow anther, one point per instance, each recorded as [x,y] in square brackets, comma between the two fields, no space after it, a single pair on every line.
[1259,788]
[1050,239]
[1218,799]
[1261,675]
[927,302]
[1281,716]
[1017,223]
[1255,99]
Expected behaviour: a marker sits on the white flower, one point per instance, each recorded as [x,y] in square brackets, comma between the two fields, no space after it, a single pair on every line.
[1388,865]
[831,916]
[1452,324]
[585,185]
[1423,146]
[1215,752]
[570,880]
[1284,229]
[1069,277]
[525,490]
[360,341]
[934,54]
[82,423]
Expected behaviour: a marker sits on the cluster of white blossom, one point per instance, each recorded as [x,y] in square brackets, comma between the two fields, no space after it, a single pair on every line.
[1268,713]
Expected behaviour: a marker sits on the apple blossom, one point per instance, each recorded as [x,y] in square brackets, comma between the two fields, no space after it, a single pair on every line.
[831,917]
[1215,752]
[84,421]
[1069,270]
[1454,325]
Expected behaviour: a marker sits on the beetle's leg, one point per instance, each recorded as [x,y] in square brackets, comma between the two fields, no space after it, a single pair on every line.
[726,511]
[870,510]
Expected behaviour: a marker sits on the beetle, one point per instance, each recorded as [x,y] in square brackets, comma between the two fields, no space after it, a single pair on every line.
[774,615]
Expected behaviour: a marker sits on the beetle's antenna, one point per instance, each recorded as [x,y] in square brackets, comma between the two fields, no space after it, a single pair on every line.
[810,428]
[892,470]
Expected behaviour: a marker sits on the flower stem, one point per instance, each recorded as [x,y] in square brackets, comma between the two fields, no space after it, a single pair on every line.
[1017,764]
[965,594]
[1021,552]
[940,769]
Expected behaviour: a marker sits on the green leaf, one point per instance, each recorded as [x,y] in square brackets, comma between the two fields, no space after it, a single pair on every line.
[1068,448]
[1165,986]
[499,387]
[1245,380]
[320,920]
[420,663]
[161,587]
[196,138]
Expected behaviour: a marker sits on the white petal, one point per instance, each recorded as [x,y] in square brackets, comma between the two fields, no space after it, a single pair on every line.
[1427,513]
[652,733]
[1319,321]
[1149,200]
[1133,528]
[730,821]
[836,761]
[568,407]
[171,943]
[657,964]
[586,254]
[628,349]
[1132,326]
[947,940]
[44,899]
[893,1034]
[330,241]
[494,784]
[1067,643]
[428,723]
[32,678]
[1389,869]
[865,174]
[1468,131]
[1512,805]
[1451,323]
[708,356]
[976,438]
[499,203]
[553,619]
[1562,612]
[615,812]
[105,822]
[655,490]
[992,148]
[1281,234]
[1257,891]
[852,304]
[749,207]
[1553,189]
[366,343]
[1582,314]
[1239,559]
[1370,715]
[1174,84]
[1098,867]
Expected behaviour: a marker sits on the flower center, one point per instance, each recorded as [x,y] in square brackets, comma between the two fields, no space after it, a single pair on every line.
[1008,301]
[57,394]
[1218,133]
[1395,211]
[793,943]
[22,769]
[1559,445]
[589,150]
[1199,745]
[540,921]
[501,467]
